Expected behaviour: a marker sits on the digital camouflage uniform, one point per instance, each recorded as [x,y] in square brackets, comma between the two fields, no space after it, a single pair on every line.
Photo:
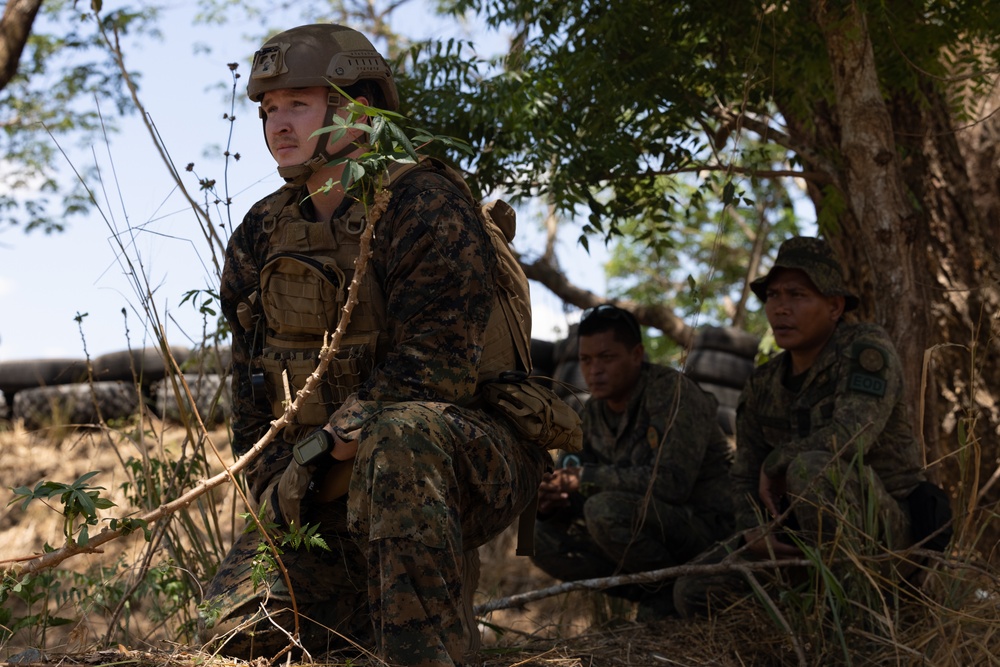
[433,476]
[840,437]
[849,409]
[667,441]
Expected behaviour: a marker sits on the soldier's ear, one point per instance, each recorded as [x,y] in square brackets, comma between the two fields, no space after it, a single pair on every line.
[638,353]
[837,305]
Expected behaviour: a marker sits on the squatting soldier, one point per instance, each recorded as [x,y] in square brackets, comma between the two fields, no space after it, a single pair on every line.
[822,429]
[650,488]
[430,477]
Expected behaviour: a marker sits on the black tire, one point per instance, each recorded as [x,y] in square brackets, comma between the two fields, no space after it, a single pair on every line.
[74,404]
[4,408]
[728,397]
[718,367]
[727,339]
[205,389]
[215,360]
[567,349]
[144,366]
[568,383]
[28,374]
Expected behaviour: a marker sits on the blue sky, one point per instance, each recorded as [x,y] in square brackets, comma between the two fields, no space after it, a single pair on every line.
[45,281]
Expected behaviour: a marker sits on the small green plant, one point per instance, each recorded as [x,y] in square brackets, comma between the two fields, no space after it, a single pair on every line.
[386,142]
[296,537]
[80,503]
[25,604]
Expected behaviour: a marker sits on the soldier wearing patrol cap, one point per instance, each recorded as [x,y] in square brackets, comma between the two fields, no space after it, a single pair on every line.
[392,454]
[824,422]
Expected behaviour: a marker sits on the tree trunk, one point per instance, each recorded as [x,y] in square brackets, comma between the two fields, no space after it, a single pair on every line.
[15,26]
[913,236]
[882,239]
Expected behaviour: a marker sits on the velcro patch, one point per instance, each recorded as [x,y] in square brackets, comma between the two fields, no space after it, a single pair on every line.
[866,384]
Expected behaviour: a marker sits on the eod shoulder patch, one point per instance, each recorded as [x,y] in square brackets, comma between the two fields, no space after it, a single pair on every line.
[868,364]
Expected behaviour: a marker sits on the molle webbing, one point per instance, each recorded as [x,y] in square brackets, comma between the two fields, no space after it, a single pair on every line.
[304,284]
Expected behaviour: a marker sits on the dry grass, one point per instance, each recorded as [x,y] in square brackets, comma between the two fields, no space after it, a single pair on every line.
[956,623]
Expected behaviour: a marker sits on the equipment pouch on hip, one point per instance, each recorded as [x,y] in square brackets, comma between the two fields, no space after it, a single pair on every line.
[535,411]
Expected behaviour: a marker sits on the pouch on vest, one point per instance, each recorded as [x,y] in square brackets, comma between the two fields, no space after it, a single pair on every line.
[308,292]
[535,411]
[346,370]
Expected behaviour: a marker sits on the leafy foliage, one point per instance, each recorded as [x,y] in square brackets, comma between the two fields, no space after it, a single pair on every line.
[80,501]
[600,106]
[64,69]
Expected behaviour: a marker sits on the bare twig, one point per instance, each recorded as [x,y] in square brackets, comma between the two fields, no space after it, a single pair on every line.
[730,564]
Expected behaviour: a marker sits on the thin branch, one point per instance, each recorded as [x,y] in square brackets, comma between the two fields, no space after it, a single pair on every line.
[655,316]
[730,564]
[32,564]
[826,170]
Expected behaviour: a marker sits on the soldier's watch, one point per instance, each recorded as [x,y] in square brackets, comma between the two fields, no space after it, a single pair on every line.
[311,450]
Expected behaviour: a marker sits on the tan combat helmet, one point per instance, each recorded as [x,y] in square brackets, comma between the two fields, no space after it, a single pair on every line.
[319,55]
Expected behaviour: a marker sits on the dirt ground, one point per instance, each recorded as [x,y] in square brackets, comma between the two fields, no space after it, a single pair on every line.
[577,629]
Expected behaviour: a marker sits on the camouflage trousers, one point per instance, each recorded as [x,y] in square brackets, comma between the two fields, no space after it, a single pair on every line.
[834,502]
[614,532]
[431,483]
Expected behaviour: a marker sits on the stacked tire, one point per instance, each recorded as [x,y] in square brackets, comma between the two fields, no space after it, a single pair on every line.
[557,363]
[79,404]
[568,380]
[43,392]
[721,361]
[210,394]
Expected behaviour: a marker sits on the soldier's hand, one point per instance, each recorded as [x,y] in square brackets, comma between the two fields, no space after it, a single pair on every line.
[763,543]
[555,489]
[771,490]
[285,493]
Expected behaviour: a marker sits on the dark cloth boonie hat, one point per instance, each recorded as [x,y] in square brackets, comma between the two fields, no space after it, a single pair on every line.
[814,257]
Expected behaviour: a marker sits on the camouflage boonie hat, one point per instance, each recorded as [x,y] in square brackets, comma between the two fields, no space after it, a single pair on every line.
[814,258]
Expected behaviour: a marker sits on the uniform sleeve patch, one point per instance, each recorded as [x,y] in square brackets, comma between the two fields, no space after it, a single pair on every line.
[867,370]
[866,384]
[871,359]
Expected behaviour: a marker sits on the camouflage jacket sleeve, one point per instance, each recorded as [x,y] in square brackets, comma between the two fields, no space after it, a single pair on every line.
[751,450]
[672,442]
[434,261]
[251,411]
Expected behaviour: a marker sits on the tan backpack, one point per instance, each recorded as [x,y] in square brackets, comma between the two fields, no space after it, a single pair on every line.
[534,410]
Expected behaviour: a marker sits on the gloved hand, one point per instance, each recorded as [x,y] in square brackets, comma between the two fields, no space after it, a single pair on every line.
[285,493]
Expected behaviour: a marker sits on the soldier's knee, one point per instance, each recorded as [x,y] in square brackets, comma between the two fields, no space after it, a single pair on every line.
[806,470]
[606,513]
[402,477]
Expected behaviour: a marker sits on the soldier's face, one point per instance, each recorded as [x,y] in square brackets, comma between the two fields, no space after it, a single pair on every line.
[610,367]
[292,115]
[801,318]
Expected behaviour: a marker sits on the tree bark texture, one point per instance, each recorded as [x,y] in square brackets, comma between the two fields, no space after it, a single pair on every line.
[15,26]
[917,234]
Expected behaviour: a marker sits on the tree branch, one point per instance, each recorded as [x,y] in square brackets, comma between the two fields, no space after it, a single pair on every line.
[654,316]
[826,170]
